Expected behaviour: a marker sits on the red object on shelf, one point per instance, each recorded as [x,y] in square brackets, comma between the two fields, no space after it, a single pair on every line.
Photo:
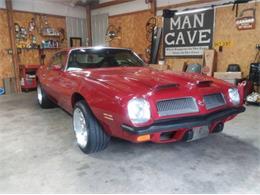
[28,76]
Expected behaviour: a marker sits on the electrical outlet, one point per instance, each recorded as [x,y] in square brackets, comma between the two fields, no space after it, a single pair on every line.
[10,51]
[258,46]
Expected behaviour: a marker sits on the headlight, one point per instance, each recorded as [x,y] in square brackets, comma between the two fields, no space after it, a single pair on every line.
[234,96]
[139,110]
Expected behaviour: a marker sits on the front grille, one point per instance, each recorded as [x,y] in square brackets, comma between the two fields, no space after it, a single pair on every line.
[214,101]
[176,106]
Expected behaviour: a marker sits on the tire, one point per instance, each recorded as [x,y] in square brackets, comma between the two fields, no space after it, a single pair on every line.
[43,99]
[90,136]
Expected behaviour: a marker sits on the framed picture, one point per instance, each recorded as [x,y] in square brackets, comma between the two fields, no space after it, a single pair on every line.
[75,42]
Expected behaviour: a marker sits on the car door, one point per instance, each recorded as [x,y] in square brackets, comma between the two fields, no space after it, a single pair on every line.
[66,85]
[54,71]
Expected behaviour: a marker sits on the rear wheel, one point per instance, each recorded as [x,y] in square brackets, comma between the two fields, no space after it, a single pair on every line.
[89,133]
[43,99]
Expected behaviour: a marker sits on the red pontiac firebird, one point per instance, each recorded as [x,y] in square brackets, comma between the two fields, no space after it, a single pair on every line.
[111,92]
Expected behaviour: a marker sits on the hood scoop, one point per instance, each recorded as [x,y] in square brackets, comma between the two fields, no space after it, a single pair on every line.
[206,83]
[166,86]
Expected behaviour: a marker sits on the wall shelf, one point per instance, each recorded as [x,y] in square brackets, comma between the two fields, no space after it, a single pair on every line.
[37,48]
[52,48]
[45,35]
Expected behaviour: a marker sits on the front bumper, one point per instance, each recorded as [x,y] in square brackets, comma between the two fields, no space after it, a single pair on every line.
[184,122]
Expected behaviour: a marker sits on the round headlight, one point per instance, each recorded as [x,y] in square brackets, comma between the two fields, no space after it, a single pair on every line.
[139,110]
[234,96]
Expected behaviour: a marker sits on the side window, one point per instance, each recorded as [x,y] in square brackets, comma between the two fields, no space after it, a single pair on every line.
[63,58]
[56,59]
[59,59]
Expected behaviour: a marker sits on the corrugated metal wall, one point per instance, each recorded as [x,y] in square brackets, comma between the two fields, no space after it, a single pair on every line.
[99,24]
[76,27]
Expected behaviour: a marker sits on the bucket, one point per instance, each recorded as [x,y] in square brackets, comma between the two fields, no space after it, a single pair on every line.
[2,91]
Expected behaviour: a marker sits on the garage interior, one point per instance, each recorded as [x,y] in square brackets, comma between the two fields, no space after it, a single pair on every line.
[39,153]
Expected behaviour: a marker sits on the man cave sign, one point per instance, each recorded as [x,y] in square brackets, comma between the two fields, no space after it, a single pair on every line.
[188,34]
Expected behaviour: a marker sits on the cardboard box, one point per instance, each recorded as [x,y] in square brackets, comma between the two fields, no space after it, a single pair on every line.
[159,67]
[228,75]
[9,85]
[233,81]
[210,61]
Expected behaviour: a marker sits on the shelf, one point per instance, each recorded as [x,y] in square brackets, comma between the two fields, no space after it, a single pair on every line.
[57,36]
[26,48]
[54,48]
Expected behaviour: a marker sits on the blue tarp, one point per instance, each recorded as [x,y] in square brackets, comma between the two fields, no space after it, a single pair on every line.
[2,91]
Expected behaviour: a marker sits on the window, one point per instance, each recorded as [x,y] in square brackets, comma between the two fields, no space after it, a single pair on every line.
[63,59]
[55,59]
[59,59]
[102,58]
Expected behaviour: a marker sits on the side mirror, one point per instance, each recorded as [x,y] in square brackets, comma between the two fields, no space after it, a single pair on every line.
[56,67]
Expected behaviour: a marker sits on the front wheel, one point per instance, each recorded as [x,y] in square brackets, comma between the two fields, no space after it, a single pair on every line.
[89,133]
[42,98]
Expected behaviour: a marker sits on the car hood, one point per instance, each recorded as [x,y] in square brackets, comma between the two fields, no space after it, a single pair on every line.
[143,79]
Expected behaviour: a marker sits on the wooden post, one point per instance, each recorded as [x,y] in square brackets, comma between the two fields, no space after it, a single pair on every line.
[154,7]
[12,37]
[89,31]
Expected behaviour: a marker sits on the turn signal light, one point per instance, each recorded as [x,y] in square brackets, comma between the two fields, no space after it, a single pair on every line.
[143,138]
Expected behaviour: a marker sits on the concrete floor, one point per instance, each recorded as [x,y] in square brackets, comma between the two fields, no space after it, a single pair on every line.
[38,154]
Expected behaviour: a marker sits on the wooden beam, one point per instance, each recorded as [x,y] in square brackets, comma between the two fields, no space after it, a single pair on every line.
[172,6]
[89,29]
[109,3]
[37,13]
[12,37]
[129,13]
[186,4]
[154,7]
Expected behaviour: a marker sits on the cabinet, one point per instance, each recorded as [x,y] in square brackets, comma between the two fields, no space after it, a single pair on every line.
[28,76]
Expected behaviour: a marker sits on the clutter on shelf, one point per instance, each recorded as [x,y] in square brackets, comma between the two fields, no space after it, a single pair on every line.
[49,44]
[38,35]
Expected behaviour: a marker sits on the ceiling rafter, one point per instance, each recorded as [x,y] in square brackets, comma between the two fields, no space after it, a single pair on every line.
[109,3]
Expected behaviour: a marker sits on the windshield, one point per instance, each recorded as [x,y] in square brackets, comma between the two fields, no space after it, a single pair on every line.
[102,58]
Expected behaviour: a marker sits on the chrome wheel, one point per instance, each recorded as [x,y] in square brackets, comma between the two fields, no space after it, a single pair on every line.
[39,94]
[80,128]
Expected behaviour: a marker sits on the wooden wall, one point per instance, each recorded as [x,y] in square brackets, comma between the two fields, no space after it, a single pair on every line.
[241,51]
[28,56]
[243,43]
[6,69]
[133,33]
